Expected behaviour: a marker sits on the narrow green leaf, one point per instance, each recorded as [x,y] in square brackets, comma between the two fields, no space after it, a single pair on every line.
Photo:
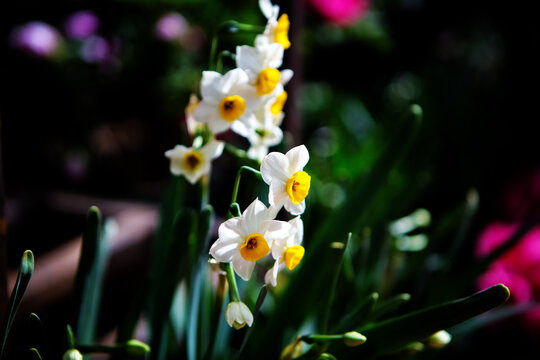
[197,276]
[88,281]
[359,315]
[388,306]
[172,265]
[396,333]
[34,354]
[26,270]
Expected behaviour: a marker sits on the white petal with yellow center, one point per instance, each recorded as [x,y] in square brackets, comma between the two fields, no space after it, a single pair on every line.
[193,163]
[225,99]
[246,239]
[288,183]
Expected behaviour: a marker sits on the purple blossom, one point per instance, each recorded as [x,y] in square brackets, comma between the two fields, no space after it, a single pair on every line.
[37,38]
[81,24]
[171,26]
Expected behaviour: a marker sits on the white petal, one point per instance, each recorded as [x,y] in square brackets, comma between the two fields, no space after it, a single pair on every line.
[212,150]
[277,196]
[257,152]
[298,158]
[275,166]
[238,312]
[295,209]
[274,55]
[247,58]
[298,225]
[232,78]
[271,275]
[233,230]
[254,215]
[269,11]
[242,267]
[209,82]
[286,76]
[223,251]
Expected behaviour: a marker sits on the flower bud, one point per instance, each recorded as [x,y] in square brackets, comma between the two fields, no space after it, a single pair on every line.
[238,315]
[136,348]
[439,339]
[72,354]
[353,338]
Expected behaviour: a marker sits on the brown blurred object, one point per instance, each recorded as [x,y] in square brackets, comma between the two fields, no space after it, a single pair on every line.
[55,271]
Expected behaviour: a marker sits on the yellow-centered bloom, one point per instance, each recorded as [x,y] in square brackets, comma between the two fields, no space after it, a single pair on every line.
[261,64]
[245,239]
[276,30]
[287,252]
[193,163]
[288,182]
[238,315]
[225,99]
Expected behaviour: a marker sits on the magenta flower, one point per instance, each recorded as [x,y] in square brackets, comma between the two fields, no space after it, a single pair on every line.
[518,268]
[81,24]
[342,12]
[36,38]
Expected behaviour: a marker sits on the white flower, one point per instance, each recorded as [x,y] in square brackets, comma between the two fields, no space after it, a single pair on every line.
[193,163]
[245,239]
[288,183]
[261,131]
[260,64]
[276,30]
[288,252]
[238,315]
[225,99]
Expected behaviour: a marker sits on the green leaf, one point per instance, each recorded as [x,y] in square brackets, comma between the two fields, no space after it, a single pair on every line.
[88,281]
[396,333]
[26,270]
[34,354]
[197,276]
[166,281]
[359,315]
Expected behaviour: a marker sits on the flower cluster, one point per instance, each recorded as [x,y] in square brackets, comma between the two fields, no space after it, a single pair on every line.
[248,100]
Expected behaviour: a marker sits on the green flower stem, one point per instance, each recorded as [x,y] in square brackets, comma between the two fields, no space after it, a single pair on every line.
[234,295]
[229,27]
[237,183]
[242,155]
[221,55]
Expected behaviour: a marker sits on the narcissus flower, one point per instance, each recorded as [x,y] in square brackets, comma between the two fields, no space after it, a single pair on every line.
[261,63]
[261,131]
[289,183]
[225,99]
[277,29]
[288,252]
[193,163]
[238,315]
[245,239]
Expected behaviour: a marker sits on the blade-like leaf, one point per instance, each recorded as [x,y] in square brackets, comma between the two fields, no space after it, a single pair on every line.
[26,270]
[396,333]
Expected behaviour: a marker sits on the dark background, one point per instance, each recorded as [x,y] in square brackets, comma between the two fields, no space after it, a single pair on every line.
[471,65]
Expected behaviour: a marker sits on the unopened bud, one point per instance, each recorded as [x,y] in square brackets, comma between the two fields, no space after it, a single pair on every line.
[136,348]
[353,338]
[439,339]
[72,354]
[326,356]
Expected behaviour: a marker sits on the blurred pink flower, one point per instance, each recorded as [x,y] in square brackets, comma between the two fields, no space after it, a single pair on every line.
[171,26]
[81,24]
[342,12]
[37,38]
[518,268]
